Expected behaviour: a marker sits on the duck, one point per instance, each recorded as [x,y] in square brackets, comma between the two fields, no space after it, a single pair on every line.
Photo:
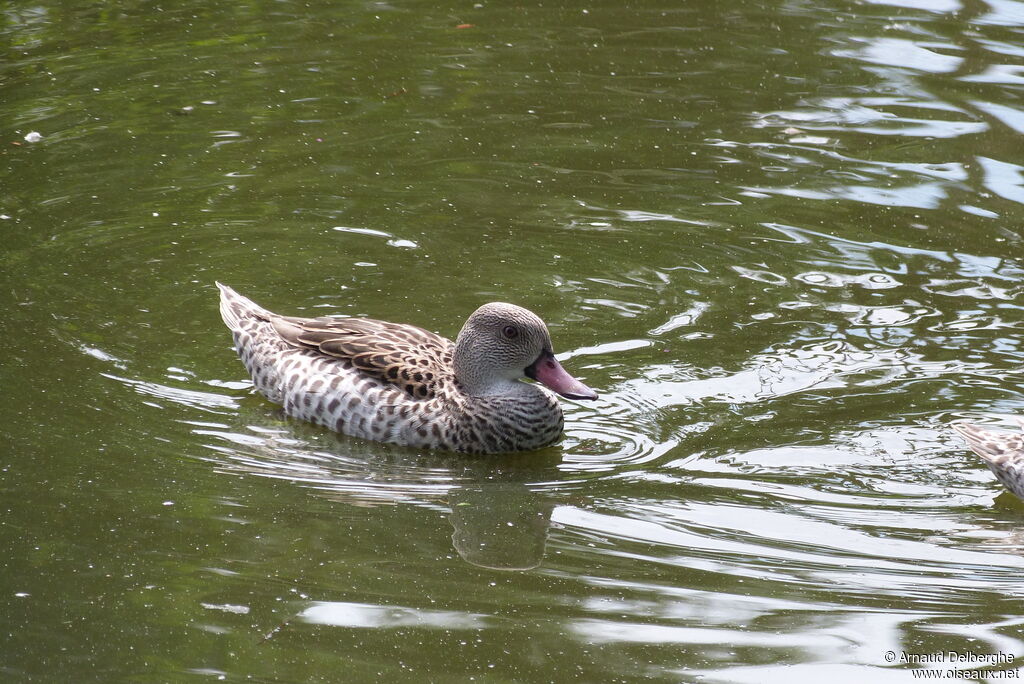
[1002,452]
[400,384]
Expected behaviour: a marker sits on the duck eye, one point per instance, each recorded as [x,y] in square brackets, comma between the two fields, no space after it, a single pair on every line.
[510,332]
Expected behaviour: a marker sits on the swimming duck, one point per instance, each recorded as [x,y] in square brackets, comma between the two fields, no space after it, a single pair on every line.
[1003,453]
[393,382]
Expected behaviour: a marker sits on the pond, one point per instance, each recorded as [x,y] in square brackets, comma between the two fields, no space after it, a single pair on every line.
[781,239]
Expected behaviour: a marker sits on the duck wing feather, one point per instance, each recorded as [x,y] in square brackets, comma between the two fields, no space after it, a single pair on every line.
[415,360]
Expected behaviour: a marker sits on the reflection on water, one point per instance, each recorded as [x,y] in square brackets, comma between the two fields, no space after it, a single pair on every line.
[500,518]
[500,526]
[341,614]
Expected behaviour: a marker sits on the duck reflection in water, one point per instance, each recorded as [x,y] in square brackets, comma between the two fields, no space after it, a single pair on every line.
[500,525]
[498,519]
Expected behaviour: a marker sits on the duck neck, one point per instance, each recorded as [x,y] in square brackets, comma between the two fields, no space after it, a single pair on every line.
[467,364]
[474,385]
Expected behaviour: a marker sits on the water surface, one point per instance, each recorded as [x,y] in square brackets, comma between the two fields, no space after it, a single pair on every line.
[781,240]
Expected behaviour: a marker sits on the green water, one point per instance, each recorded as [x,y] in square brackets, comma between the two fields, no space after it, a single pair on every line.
[781,239]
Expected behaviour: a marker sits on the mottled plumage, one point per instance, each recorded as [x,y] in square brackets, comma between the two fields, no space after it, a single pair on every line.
[1003,453]
[397,383]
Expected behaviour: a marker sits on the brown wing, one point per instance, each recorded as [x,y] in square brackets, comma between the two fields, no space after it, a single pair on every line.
[415,360]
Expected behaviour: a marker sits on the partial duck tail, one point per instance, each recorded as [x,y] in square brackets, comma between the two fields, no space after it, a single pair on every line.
[1003,453]
[234,308]
[993,446]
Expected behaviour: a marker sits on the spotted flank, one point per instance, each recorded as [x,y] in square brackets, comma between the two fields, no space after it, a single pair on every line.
[397,383]
[1003,453]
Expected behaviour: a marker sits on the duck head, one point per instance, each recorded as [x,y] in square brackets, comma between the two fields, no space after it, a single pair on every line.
[503,343]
